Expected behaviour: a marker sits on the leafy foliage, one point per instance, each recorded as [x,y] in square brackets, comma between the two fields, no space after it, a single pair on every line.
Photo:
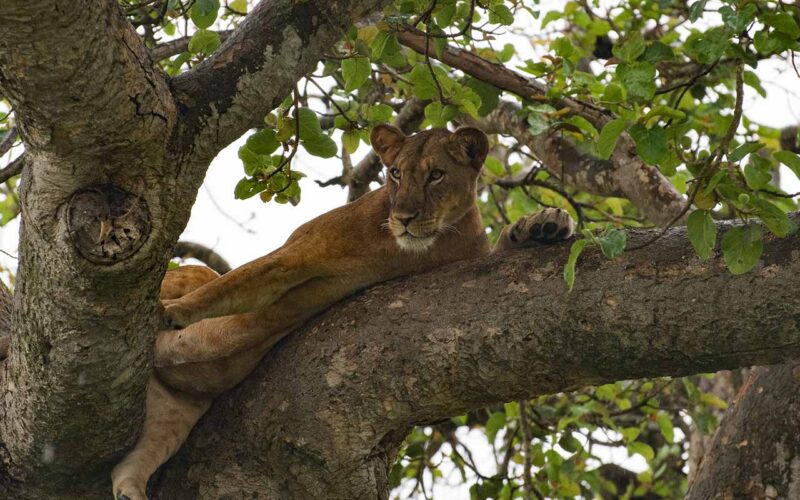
[670,76]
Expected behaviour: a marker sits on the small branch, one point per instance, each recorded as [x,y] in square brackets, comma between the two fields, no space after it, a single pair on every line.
[8,141]
[179,45]
[13,168]
[190,250]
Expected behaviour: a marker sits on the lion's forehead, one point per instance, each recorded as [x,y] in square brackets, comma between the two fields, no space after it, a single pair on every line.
[419,157]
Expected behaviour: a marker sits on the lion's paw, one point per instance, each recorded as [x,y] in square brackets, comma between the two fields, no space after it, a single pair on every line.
[547,226]
[128,490]
[175,315]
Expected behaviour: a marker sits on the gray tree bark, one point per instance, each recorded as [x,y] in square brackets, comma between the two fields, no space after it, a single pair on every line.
[756,452]
[115,154]
[325,412]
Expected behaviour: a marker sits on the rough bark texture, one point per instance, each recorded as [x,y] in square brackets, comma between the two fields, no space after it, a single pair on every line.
[756,451]
[114,156]
[641,183]
[87,101]
[326,410]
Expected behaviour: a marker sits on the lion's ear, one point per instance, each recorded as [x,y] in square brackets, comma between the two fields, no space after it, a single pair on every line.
[386,141]
[469,145]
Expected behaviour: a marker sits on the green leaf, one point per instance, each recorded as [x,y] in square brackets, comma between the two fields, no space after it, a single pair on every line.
[744,150]
[702,232]
[379,43]
[774,218]
[657,52]
[489,94]
[583,124]
[494,166]
[569,269]
[751,80]
[742,247]
[423,85]
[739,19]
[631,48]
[204,12]
[311,136]
[651,143]
[638,78]
[713,400]
[665,424]
[500,14]
[708,46]
[239,6]
[756,175]
[247,188]
[496,422]
[356,71]
[350,141]
[204,42]
[440,115]
[790,159]
[642,449]
[696,10]
[783,22]
[569,442]
[263,142]
[381,113]
[321,145]
[309,123]
[613,243]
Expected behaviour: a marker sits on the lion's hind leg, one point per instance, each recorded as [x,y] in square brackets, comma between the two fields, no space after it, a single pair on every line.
[171,414]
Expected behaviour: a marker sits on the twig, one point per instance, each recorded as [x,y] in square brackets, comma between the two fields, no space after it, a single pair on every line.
[13,168]
[8,140]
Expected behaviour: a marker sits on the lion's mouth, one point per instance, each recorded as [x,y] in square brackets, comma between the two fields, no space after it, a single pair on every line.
[415,242]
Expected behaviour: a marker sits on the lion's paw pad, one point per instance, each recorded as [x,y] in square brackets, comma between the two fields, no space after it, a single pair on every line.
[547,226]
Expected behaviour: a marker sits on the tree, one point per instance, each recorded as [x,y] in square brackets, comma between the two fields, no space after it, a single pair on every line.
[120,107]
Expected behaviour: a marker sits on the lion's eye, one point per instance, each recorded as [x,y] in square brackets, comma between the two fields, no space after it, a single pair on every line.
[395,173]
[435,175]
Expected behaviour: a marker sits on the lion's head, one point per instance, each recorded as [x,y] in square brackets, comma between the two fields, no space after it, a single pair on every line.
[431,178]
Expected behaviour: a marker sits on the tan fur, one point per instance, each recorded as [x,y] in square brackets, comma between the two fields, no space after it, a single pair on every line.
[424,217]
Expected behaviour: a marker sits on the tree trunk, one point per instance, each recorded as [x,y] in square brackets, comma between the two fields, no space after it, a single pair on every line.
[756,450]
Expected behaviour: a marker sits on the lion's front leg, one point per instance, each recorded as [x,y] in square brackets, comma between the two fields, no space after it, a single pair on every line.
[547,226]
[245,289]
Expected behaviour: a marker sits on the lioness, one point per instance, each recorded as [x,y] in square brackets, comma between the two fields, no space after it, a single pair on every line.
[425,216]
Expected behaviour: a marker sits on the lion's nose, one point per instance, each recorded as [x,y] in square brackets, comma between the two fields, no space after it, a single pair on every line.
[405,219]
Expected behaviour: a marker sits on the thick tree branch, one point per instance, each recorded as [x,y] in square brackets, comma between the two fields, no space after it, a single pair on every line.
[79,77]
[324,413]
[749,459]
[644,185]
[256,68]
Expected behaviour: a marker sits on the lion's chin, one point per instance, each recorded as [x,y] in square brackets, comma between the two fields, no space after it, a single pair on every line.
[416,244]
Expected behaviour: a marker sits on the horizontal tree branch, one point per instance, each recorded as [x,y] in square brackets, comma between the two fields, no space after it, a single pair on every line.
[13,168]
[323,415]
[256,67]
[9,140]
[190,250]
[644,185]
[179,45]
